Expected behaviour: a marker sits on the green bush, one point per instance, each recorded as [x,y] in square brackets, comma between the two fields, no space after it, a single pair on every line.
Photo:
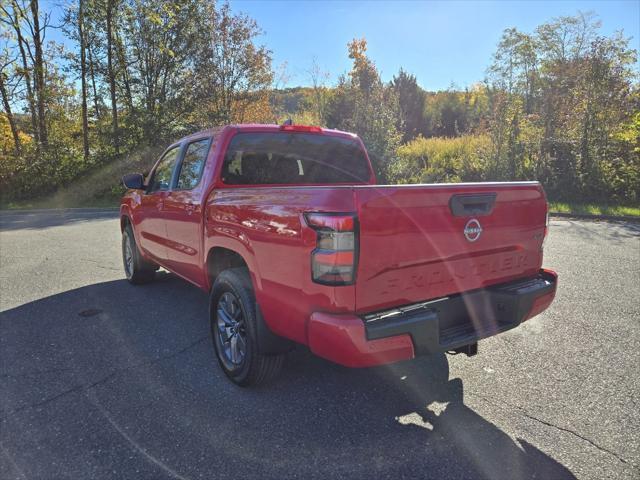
[439,159]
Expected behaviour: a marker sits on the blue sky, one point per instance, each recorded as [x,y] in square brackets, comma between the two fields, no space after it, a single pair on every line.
[442,43]
[439,42]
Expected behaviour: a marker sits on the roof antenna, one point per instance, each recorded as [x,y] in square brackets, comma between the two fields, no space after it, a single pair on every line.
[288,121]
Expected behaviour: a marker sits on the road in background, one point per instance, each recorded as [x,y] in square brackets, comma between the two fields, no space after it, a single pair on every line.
[100,379]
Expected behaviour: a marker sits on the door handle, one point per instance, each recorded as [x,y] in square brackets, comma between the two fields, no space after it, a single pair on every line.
[189,208]
[160,204]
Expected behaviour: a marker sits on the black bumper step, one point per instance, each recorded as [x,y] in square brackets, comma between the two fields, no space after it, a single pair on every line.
[463,319]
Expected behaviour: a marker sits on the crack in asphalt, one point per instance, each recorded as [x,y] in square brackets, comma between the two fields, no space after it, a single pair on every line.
[526,414]
[108,268]
[106,378]
[98,265]
[573,432]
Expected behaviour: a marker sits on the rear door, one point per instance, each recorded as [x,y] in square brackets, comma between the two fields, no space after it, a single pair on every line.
[183,213]
[421,242]
[153,234]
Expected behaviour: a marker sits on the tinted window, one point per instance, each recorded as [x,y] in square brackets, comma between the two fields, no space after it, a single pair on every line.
[193,164]
[164,170]
[286,158]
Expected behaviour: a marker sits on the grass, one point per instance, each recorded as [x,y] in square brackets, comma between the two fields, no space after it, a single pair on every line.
[594,209]
[99,188]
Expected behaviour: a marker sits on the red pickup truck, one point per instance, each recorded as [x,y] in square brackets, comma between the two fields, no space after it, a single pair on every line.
[287,230]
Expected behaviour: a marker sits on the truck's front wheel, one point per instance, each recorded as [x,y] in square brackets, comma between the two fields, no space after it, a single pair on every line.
[233,313]
[136,269]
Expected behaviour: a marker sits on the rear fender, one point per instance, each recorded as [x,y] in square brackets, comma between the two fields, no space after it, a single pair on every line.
[268,342]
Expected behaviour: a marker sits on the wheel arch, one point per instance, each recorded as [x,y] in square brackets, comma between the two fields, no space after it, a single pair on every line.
[220,259]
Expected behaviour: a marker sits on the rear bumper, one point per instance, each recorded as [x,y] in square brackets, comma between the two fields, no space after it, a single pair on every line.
[430,327]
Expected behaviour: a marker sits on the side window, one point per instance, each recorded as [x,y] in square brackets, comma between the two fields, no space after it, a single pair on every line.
[162,175]
[193,164]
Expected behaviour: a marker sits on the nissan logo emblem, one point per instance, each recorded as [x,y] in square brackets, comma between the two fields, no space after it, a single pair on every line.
[472,230]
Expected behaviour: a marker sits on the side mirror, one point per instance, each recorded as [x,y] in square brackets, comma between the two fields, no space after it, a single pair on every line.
[134,181]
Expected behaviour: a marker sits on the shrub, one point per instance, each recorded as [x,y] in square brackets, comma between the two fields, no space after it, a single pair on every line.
[440,159]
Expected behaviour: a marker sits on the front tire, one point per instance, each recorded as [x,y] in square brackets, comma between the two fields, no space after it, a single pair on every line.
[136,269]
[233,312]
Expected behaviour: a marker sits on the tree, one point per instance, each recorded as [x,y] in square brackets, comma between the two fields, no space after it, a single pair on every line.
[515,65]
[14,14]
[363,104]
[91,35]
[111,74]
[320,93]
[235,67]
[567,38]
[83,80]
[160,63]
[565,89]
[5,64]
[559,104]
[37,34]
[411,102]
[444,114]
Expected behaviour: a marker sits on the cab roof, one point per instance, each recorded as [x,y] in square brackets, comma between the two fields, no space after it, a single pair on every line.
[260,127]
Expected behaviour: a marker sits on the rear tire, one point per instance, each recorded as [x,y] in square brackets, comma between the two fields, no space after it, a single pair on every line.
[234,313]
[136,268]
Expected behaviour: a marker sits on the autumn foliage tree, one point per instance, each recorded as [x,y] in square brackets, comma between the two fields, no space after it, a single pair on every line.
[559,96]
[363,104]
[559,104]
[147,72]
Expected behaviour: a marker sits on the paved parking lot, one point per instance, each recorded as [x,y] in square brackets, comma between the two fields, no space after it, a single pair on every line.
[100,379]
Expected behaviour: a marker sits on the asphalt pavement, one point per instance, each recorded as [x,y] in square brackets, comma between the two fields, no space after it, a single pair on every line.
[101,379]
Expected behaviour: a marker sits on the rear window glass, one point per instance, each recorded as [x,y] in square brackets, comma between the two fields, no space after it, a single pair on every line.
[293,158]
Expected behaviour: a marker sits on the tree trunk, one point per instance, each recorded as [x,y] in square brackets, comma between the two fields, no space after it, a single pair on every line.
[39,74]
[83,75]
[20,41]
[30,96]
[93,82]
[112,77]
[7,109]
[125,73]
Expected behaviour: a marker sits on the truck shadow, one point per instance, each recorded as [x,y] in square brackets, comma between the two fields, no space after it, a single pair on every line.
[122,379]
[423,413]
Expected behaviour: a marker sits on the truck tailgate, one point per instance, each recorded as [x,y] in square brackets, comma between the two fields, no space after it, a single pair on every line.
[422,242]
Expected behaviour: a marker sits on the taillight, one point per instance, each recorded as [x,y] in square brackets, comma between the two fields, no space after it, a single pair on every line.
[333,262]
